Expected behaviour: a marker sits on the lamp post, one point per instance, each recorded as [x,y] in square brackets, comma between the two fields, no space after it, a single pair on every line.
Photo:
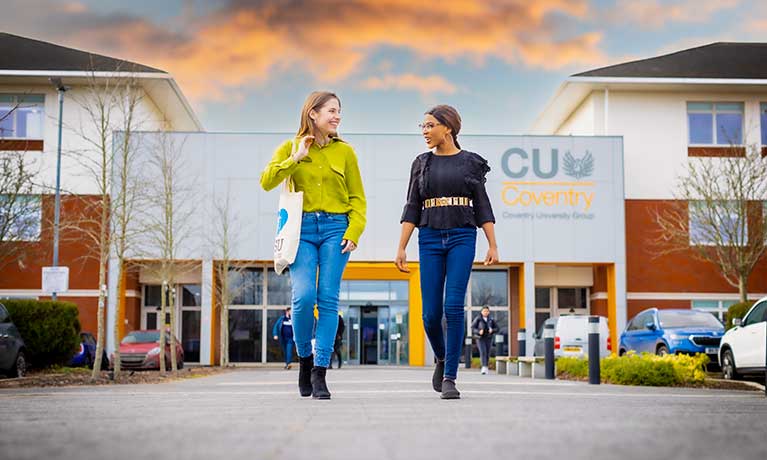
[56,81]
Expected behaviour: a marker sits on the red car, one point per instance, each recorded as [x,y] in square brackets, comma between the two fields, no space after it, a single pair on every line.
[141,350]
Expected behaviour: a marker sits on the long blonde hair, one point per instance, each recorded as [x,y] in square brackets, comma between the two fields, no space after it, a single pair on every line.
[314,101]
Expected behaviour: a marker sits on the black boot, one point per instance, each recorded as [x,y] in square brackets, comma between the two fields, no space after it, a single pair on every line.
[305,375]
[319,387]
[439,374]
[449,391]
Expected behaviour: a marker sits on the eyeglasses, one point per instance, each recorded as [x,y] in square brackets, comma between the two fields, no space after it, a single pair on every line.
[427,126]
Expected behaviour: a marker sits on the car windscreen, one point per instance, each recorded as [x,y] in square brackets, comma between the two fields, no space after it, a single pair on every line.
[672,319]
[142,337]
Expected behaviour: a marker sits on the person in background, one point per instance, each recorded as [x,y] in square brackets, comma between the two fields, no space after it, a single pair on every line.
[339,340]
[484,327]
[283,331]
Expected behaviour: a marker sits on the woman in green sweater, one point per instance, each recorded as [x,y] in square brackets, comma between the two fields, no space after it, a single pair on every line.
[325,168]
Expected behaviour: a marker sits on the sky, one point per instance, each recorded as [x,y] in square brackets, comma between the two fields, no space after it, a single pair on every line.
[247,66]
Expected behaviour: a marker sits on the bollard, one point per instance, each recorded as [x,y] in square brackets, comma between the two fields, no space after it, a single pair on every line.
[548,341]
[467,353]
[522,341]
[594,376]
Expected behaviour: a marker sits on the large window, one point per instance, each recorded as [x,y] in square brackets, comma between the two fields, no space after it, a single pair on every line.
[717,308]
[259,297]
[21,116]
[490,288]
[20,217]
[715,123]
[718,224]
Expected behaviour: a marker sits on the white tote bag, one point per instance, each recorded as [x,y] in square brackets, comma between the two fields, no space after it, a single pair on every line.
[288,226]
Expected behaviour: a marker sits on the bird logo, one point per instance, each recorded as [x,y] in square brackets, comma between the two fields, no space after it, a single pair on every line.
[579,167]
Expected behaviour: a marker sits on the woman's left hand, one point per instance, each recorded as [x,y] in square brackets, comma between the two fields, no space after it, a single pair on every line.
[492,256]
[348,245]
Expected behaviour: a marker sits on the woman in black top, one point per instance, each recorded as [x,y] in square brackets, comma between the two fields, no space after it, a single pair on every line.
[447,200]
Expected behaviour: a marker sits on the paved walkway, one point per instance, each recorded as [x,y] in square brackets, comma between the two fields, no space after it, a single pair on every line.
[379,413]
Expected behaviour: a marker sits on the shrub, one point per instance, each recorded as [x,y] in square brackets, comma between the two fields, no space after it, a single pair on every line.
[475,363]
[644,369]
[51,330]
[736,310]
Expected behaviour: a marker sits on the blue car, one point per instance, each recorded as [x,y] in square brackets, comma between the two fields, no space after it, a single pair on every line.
[86,354]
[672,331]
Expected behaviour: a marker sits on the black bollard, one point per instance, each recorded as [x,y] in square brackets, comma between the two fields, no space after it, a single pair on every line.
[522,341]
[548,341]
[467,353]
[594,377]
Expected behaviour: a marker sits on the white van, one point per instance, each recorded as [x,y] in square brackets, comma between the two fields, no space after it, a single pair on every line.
[571,337]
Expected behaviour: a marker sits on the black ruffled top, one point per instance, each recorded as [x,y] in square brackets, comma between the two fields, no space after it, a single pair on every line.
[459,175]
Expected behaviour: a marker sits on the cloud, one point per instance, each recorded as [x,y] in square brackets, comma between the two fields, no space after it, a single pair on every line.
[409,82]
[654,14]
[245,43]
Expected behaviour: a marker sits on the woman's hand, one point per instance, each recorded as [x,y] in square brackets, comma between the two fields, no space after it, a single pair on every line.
[303,148]
[348,245]
[492,256]
[401,261]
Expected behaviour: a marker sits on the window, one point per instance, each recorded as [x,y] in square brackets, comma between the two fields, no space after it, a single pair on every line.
[246,286]
[640,322]
[756,315]
[717,224]
[20,217]
[763,119]
[717,308]
[715,123]
[3,314]
[489,287]
[21,116]
[278,291]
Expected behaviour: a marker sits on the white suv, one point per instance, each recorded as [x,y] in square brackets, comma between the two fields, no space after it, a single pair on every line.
[742,350]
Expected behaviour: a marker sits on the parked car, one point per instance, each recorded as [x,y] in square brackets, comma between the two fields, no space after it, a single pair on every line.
[674,331]
[86,354]
[141,350]
[13,361]
[743,347]
[571,337]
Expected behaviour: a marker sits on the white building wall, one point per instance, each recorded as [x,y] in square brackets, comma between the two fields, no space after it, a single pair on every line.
[77,128]
[654,130]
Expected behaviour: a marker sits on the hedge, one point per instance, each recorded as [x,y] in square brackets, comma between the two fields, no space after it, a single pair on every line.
[51,330]
[644,370]
[736,310]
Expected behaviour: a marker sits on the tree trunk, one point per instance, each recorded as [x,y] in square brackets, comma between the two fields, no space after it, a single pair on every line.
[161,319]
[743,287]
[118,318]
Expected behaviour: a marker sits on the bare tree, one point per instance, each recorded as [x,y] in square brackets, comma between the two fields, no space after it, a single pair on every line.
[224,240]
[719,215]
[168,226]
[20,208]
[110,105]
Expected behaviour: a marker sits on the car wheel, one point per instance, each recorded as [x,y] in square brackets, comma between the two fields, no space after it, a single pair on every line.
[662,350]
[180,364]
[88,361]
[104,362]
[19,365]
[621,352]
[729,370]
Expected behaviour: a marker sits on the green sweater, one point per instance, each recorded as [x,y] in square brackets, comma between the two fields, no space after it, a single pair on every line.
[329,177]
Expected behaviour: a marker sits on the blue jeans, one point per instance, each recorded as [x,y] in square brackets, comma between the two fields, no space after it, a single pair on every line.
[287,349]
[446,257]
[319,251]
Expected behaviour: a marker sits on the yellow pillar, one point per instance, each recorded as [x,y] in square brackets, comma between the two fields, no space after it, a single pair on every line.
[612,306]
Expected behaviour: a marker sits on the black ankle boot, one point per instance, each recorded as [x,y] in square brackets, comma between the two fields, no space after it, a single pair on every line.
[305,375]
[439,374]
[449,391]
[319,387]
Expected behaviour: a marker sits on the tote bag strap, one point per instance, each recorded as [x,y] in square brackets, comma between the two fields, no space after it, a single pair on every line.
[289,184]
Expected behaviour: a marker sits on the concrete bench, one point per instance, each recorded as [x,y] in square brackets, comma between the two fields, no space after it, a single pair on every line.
[522,366]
